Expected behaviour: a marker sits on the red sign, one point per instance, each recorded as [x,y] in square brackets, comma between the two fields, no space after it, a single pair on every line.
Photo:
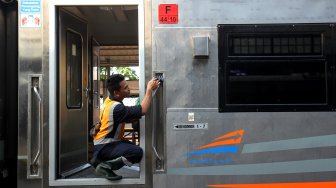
[168,14]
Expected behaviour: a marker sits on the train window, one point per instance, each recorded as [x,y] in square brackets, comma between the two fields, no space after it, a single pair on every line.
[73,70]
[276,68]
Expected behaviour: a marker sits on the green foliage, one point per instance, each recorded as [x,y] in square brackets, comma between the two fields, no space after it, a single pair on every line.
[129,73]
[103,73]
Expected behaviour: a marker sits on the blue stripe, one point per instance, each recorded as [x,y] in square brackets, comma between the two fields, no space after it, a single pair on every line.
[297,143]
[226,149]
[287,167]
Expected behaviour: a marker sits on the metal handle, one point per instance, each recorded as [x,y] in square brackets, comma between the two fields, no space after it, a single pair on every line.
[154,126]
[39,126]
[87,92]
[153,142]
[154,92]
[34,132]
[158,135]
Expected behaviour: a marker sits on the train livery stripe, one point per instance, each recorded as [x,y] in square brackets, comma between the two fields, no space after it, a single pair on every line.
[304,166]
[298,143]
[278,185]
[220,143]
[225,149]
[235,138]
[236,134]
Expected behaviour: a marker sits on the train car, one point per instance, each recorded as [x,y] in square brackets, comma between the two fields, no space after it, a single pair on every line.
[247,96]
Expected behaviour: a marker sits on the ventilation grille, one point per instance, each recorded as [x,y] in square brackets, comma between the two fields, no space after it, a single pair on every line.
[276,45]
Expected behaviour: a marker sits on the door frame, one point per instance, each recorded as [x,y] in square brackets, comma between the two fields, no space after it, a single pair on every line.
[53,181]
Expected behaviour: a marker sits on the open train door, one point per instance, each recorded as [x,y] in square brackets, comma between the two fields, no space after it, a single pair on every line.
[10,163]
[72,94]
[94,81]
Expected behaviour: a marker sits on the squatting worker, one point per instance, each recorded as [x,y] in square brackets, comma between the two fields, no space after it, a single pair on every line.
[111,152]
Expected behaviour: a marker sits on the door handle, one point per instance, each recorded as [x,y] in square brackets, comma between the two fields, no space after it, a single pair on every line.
[158,129]
[34,134]
[87,92]
[154,139]
[34,165]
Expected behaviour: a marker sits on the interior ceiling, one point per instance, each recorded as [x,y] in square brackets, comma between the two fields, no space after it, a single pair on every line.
[119,55]
[110,25]
[115,28]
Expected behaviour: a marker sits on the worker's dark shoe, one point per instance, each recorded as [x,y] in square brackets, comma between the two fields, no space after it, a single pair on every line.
[116,164]
[95,161]
[108,173]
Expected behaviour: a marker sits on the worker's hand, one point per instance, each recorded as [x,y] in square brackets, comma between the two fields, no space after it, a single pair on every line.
[153,84]
[146,101]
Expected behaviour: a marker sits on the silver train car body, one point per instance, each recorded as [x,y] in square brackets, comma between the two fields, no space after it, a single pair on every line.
[204,129]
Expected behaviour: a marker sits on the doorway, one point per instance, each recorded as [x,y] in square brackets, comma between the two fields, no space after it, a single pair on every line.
[103,40]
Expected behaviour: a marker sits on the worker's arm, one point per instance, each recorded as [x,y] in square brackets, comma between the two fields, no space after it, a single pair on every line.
[146,101]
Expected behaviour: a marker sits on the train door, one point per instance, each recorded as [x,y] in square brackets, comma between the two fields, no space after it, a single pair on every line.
[94,88]
[73,94]
[8,93]
[94,81]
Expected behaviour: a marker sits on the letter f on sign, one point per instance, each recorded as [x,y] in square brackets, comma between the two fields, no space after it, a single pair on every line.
[168,9]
